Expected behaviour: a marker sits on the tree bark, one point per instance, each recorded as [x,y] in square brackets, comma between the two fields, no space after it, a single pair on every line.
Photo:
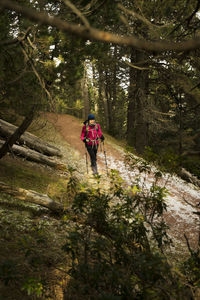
[7,130]
[131,104]
[34,156]
[105,104]
[137,118]
[85,94]
[114,91]
[180,130]
[108,103]
[102,103]
[32,197]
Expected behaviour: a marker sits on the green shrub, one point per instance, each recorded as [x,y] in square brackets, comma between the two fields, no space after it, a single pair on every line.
[117,245]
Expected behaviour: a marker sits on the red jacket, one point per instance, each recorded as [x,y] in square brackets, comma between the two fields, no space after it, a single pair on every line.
[92,133]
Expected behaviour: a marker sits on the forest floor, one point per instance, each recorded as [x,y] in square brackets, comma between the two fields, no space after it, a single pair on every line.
[32,232]
[179,215]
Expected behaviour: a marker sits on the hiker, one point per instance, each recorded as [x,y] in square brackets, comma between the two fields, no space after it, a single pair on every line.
[91,135]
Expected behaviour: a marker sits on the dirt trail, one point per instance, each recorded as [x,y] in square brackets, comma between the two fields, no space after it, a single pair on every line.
[179,216]
[70,129]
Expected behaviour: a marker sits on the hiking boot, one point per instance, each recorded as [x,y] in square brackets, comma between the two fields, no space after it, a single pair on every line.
[94,170]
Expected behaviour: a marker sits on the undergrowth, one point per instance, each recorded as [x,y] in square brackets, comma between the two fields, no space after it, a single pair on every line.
[107,245]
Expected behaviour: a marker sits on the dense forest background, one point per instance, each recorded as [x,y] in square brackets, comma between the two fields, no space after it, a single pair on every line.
[136,66]
[146,98]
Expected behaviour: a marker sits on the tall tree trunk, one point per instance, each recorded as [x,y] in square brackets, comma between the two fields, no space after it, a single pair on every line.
[180,126]
[137,117]
[85,94]
[114,91]
[17,134]
[102,103]
[95,88]
[108,103]
[105,103]
[111,92]
[131,119]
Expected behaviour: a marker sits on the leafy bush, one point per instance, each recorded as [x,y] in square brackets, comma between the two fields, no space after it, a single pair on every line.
[117,244]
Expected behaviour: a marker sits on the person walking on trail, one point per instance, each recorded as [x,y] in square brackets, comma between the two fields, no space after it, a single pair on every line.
[91,135]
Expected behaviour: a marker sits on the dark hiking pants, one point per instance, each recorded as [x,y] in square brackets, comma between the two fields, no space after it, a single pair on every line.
[92,150]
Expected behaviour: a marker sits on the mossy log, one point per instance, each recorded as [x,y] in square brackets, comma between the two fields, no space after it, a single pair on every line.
[32,197]
[30,140]
[35,156]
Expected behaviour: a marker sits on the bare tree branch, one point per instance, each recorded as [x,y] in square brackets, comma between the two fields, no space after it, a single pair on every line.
[134,66]
[142,18]
[41,81]
[77,12]
[188,20]
[98,35]
[93,7]
[17,40]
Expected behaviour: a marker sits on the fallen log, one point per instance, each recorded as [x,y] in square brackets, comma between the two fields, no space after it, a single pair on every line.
[32,197]
[30,140]
[13,138]
[34,156]
[184,174]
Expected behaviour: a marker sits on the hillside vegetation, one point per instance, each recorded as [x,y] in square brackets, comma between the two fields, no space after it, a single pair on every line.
[110,242]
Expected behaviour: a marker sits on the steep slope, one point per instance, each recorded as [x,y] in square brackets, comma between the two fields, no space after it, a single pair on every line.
[179,216]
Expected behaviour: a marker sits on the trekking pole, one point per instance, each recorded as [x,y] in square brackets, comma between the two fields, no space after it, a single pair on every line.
[86,160]
[104,151]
